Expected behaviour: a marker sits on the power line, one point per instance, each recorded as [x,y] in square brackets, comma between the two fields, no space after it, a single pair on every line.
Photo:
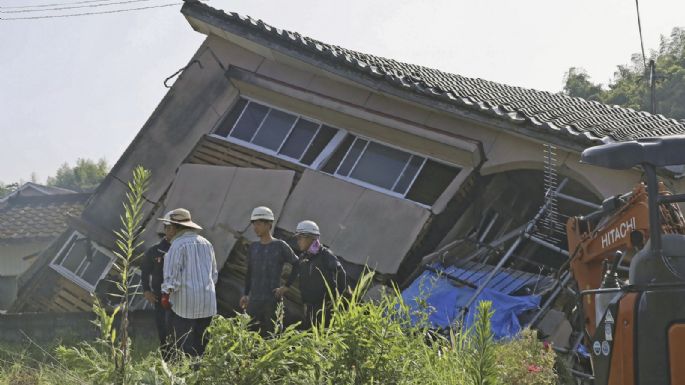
[88,13]
[53,5]
[74,7]
[639,27]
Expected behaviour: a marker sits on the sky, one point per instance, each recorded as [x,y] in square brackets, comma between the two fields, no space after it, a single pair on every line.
[82,87]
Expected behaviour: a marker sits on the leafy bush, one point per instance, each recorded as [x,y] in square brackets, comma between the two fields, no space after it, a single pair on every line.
[371,343]
[526,361]
[366,343]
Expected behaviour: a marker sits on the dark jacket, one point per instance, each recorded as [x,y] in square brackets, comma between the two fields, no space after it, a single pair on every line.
[152,267]
[316,271]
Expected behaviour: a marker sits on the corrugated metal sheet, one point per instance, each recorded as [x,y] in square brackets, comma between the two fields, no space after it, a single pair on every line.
[506,281]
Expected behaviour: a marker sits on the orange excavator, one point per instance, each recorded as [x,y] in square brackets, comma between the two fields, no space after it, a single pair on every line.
[628,260]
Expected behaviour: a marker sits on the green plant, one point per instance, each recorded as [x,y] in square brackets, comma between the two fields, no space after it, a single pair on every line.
[126,253]
[89,358]
[526,361]
[481,364]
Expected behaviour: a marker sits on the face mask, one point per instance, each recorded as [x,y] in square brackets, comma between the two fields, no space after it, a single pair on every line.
[315,247]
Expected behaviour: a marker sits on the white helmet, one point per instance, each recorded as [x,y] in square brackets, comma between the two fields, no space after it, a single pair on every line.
[262,213]
[307,228]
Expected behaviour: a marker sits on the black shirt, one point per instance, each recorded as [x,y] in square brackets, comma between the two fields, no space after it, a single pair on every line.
[265,266]
[152,267]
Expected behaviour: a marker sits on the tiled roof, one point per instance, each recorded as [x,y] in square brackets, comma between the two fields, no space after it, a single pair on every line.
[562,114]
[35,189]
[38,217]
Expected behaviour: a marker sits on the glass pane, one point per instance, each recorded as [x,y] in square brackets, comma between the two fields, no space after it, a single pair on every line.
[249,121]
[431,182]
[65,252]
[380,165]
[408,175]
[337,157]
[351,157]
[97,266]
[299,138]
[77,254]
[274,129]
[225,127]
[320,142]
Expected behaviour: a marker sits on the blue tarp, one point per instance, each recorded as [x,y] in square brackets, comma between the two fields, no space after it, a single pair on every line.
[442,300]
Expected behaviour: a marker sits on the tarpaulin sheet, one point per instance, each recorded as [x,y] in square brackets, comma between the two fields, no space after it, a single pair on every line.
[439,298]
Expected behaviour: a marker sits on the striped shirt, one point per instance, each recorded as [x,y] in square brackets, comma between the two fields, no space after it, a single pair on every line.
[190,275]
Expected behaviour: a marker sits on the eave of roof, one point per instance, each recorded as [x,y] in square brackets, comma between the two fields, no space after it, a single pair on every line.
[43,189]
[556,118]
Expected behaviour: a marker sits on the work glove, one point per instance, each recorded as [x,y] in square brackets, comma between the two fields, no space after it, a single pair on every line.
[164,301]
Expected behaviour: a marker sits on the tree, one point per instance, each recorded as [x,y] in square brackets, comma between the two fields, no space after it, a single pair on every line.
[85,176]
[630,86]
[577,83]
[6,189]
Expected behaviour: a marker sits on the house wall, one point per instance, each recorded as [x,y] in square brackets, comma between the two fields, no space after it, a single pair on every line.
[189,110]
[203,95]
[14,256]
[509,152]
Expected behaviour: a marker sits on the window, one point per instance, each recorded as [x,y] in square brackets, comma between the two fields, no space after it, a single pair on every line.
[363,161]
[82,261]
[276,132]
[408,175]
[431,182]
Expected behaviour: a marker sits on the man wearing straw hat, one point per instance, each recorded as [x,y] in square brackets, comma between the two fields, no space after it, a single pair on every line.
[190,276]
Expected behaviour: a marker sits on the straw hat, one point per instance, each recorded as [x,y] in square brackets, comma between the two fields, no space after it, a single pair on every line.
[180,217]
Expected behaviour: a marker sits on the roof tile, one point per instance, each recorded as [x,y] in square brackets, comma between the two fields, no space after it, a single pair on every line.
[23,218]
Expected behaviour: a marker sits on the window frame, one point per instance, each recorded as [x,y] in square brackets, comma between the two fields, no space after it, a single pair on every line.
[269,151]
[379,188]
[326,153]
[72,276]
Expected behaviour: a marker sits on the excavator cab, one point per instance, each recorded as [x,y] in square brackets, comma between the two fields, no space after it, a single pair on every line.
[640,339]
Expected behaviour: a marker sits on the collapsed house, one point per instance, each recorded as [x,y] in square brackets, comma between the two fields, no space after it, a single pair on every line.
[31,218]
[408,170]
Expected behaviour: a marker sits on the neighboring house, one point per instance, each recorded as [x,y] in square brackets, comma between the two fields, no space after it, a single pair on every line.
[30,189]
[393,160]
[30,220]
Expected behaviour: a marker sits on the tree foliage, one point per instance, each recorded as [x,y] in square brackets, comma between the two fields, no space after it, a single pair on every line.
[6,189]
[630,86]
[85,176]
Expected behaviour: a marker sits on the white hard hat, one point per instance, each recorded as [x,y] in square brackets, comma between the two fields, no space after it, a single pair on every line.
[307,228]
[262,213]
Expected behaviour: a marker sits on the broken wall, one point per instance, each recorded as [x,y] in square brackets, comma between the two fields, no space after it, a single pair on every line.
[221,199]
[361,225]
[190,109]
